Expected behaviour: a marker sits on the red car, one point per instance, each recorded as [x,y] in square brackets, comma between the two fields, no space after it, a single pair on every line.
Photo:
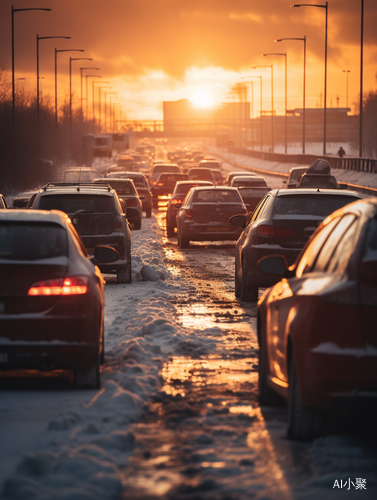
[317,327]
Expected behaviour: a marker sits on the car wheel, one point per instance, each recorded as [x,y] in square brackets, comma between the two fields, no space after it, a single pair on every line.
[248,293]
[124,274]
[267,397]
[183,242]
[137,224]
[303,424]
[148,212]
[169,230]
[89,379]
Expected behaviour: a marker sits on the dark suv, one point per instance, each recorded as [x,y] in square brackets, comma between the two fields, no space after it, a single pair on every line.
[98,217]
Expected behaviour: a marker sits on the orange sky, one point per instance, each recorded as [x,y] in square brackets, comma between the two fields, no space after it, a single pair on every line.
[155,50]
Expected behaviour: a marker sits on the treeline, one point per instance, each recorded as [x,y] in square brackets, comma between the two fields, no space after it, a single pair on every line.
[28,158]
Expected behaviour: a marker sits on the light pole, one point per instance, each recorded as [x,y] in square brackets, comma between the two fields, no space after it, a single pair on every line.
[99,105]
[81,70]
[272,101]
[56,81]
[285,101]
[361,81]
[13,90]
[70,95]
[106,94]
[303,39]
[112,104]
[42,38]
[87,93]
[346,71]
[93,96]
[326,7]
[41,78]
[261,111]
[252,109]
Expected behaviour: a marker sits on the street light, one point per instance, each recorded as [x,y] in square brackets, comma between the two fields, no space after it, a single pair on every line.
[93,96]
[42,38]
[285,55]
[13,93]
[87,93]
[56,81]
[261,126]
[303,39]
[106,94]
[272,101]
[81,70]
[70,94]
[326,7]
[99,104]
[41,78]
[252,109]
[112,104]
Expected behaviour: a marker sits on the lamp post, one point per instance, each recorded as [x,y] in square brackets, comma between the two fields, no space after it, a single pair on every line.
[56,81]
[42,38]
[13,90]
[93,100]
[99,104]
[261,125]
[81,70]
[346,71]
[106,94]
[285,101]
[252,109]
[112,104]
[303,91]
[70,95]
[41,78]
[326,7]
[87,93]
[361,81]
[272,101]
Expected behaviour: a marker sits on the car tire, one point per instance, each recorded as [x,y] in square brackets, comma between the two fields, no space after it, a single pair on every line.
[183,242]
[266,396]
[248,293]
[169,230]
[89,379]
[137,224]
[304,424]
[148,212]
[124,274]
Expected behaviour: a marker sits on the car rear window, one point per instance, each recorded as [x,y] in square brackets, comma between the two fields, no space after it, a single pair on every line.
[217,196]
[172,177]
[72,203]
[317,205]
[122,187]
[32,241]
[321,181]
[158,169]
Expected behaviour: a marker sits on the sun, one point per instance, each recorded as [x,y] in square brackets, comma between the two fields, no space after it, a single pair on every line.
[202,98]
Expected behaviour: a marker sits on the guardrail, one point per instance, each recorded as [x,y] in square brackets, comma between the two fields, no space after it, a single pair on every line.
[347,163]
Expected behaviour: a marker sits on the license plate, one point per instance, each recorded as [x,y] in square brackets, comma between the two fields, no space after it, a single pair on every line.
[217,229]
[90,250]
[3,357]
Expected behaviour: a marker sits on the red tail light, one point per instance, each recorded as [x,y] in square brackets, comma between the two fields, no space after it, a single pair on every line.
[189,212]
[72,285]
[266,230]
[174,202]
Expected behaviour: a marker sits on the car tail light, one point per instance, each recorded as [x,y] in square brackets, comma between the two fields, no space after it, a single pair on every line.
[160,184]
[281,232]
[266,230]
[189,212]
[72,285]
[174,202]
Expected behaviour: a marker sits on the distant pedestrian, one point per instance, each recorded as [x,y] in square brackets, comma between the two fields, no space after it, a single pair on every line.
[341,152]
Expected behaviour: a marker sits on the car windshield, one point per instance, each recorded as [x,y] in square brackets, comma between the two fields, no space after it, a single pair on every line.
[72,203]
[217,196]
[317,205]
[31,241]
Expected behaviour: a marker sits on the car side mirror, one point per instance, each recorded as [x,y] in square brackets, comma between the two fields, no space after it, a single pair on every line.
[238,220]
[274,264]
[104,254]
[132,212]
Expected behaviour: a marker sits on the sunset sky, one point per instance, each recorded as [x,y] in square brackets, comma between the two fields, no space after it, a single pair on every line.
[155,50]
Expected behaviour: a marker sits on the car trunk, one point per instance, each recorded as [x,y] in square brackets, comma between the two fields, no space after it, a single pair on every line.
[216,213]
[295,232]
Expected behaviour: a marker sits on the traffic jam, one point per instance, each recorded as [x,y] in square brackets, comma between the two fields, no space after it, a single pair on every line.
[175,324]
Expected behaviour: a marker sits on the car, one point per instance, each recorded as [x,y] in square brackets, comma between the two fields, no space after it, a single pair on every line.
[205,213]
[98,217]
[318,175]
[165,185]
[317,327]
[128,196]
[21,200]
[141,185]
[126,161]
[294,176]
[115,169]
[229,177]
[162,168]
[52,296]
[3,203]
[209,162]
[80,175]
[206,174]
[248,181]
[174,204]
[282,223]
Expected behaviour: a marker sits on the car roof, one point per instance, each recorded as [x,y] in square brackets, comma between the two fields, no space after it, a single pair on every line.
[217,188]
[118,179]
[202,183]
[315,191]
[27,215]
[73,188]
[241,178]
